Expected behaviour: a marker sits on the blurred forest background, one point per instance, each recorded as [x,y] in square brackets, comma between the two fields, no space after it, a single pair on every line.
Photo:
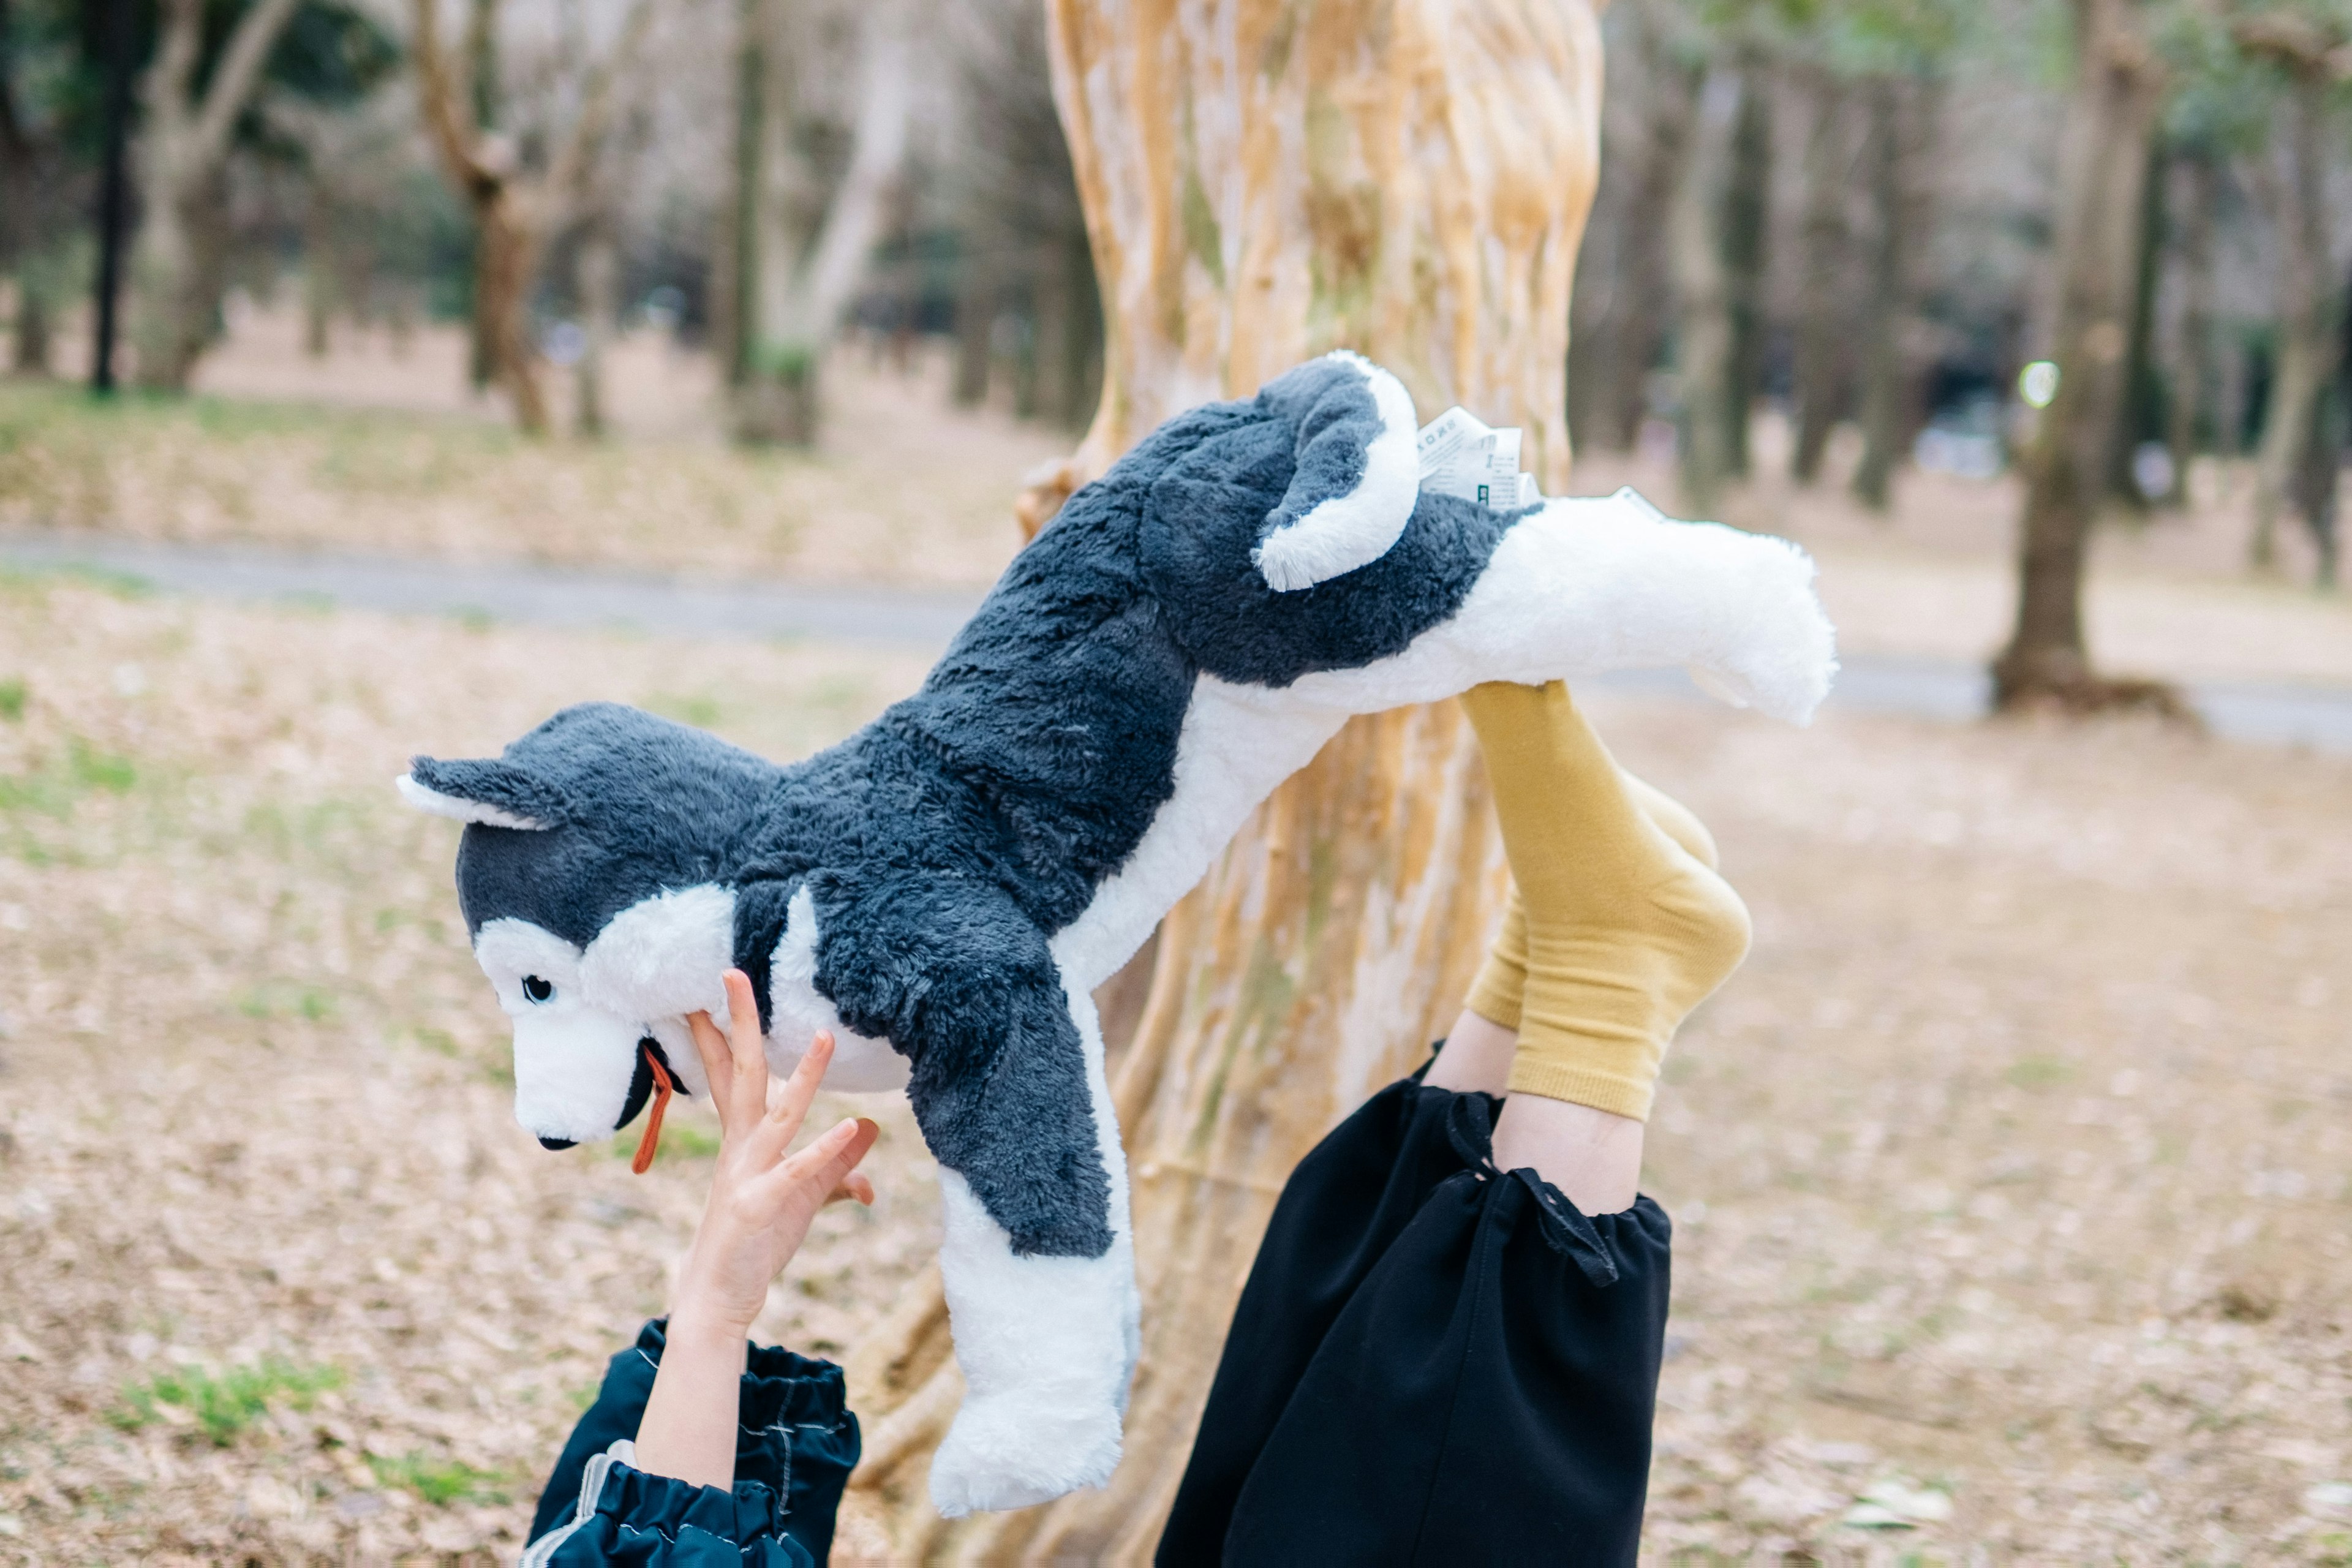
[1844,214]
[2012,1176]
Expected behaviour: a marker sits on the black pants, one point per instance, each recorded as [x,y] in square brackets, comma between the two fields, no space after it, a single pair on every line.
[1434,1363]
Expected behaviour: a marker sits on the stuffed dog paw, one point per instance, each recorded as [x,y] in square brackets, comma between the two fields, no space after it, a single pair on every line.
[944,890]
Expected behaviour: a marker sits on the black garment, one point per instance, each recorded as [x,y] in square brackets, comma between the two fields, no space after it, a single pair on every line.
[796,1443]
[1434,1363]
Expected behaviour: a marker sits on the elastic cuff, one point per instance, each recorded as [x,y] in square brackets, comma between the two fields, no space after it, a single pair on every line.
[1582,1083]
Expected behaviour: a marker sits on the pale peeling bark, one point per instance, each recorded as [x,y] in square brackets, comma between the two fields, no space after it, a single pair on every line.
[1262,184]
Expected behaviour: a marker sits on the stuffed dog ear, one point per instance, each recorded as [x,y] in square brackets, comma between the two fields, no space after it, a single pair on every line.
[485,790]
[1357,473]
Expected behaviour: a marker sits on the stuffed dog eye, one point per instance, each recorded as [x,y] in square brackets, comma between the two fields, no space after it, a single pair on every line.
[535,988]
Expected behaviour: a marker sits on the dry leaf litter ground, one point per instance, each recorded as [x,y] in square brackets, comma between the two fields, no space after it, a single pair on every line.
[2011,1172]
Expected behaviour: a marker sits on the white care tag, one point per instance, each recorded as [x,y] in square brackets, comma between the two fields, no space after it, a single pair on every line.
[1461,456]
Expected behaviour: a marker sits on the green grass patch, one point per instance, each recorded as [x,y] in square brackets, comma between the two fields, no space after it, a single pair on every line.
[222,1405]
[439,1481]
[52,789]
[285,1000]
[2038,1072]
[12,695]
[680,1140]
[699,711]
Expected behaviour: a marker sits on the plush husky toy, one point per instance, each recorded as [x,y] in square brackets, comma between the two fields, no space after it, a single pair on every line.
[944,890]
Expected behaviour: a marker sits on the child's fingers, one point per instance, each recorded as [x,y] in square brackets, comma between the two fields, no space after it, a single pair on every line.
[717,1062]
[826,1164]
[853,1188]
[792,1099]
[748,1086]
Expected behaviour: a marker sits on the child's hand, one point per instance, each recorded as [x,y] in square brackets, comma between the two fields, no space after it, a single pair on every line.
[759,1214]
[760,1202]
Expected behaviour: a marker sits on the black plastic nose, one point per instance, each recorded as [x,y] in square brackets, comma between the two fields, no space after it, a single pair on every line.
[555,1142]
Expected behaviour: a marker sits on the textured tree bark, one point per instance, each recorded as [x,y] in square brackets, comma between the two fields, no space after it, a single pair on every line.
[2118,91]
[1261,184]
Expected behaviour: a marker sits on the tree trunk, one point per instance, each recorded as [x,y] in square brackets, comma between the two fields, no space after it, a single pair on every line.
[1823,315]
[318,268]
[508,241]
[2140,416]
[30,351]
[176,270]
[1881,349]
[1747,228]
[1430,221]
[1669,88]
[1703,360]
[794,286]
[2118,91]
[2307,343]
[975,330]
[597,279]
[2190,415]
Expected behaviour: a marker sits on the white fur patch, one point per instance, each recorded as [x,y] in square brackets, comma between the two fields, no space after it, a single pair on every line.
[1046,1344]
[799,1010]
[450,806]
[1587,585]
[1343,533]
[1236,744]
[664,956]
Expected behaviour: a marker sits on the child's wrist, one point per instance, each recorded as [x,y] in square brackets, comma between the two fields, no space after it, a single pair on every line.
[699,1319]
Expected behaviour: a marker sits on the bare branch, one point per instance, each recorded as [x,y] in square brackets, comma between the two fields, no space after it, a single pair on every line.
[880,146]
[567,179]
[455,135]
[236,76]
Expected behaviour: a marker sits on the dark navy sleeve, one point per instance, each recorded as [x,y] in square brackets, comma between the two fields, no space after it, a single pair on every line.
[796,1443]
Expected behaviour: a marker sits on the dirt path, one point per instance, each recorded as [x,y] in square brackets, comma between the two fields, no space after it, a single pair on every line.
[2012,1175]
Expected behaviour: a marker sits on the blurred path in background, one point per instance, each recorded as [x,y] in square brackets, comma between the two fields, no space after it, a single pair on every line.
[2306,713]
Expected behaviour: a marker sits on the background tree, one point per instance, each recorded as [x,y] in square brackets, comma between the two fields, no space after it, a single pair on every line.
[804,222]
[1430,219]
[198,100]
[519,191]
[2118,91]
[2304,46]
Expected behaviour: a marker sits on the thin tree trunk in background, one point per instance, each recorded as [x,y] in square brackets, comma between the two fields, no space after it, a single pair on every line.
[513,214]
[2307,342]
[975,330]
[597,278]
[1432,223]
[1747,228]
[1881,346]
[318,270]
[2141,417]
[1703,359]
[795,285]
[1646,271]
[2190,413]
[2118,91]
[1823,316]
[175,264]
